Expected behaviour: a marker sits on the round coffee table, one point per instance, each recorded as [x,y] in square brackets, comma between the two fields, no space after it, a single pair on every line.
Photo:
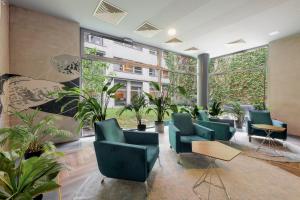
[269,129]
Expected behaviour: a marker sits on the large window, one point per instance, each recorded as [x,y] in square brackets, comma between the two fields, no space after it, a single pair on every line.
[135,66]
[239,77]
[180,71]
[136,88]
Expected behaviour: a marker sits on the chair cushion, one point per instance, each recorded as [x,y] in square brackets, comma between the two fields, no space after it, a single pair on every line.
[110,130]
[190,138]
[203,116]
[184,123]
[152,154]
[260,117]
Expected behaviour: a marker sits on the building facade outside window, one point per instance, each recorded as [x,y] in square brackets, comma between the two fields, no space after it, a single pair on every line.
[121,94]
[136,88]
[138,70]
[153,72]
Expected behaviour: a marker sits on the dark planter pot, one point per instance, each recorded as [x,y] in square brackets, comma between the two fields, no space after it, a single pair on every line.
[141,127]
[159,127]
[28,155]
[239,124]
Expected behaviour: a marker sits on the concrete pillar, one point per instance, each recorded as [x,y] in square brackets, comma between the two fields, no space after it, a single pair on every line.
[128,92]
[202,80]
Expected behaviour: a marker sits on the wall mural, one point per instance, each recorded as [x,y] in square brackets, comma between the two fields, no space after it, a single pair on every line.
[26,92]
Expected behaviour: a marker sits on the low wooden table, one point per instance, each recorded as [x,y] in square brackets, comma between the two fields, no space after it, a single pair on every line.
[213,150]
[269,129]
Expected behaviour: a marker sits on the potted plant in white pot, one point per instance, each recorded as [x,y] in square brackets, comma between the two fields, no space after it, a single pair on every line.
[239,113]
[138,104]
[160,105]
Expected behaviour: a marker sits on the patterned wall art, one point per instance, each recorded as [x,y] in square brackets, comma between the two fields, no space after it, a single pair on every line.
[26,92]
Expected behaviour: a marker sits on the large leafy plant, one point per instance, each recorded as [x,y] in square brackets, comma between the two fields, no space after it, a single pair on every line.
[91,106]
[193,110]
[215,108]
[161,101]
[31,134]
[25,179]
[238,112]
[138,103]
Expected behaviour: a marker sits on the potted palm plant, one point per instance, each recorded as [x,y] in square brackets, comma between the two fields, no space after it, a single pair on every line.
[138,103]
[161,104]
[31,139]
[92,106]
[32,133]
[27,179]
[238,112]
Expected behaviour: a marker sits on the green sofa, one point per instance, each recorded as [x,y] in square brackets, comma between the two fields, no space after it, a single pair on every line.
[182,131]
[128,155]
[264,117]
[223,131]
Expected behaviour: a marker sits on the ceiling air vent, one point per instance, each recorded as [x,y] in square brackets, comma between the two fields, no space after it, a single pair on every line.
[192,49]
[236,43]
[147,30]
[109,13]
[173,41]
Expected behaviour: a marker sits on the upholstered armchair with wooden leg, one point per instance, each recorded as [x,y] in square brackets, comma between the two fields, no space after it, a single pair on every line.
[128,155]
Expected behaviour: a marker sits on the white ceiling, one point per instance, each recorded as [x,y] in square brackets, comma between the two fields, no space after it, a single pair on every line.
[205,24]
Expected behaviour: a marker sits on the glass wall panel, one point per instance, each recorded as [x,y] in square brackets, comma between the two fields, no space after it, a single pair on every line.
[239,77]
[180,71]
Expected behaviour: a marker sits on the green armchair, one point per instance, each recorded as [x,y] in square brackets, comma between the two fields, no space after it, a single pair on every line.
[182,131]
[223,131]
[128,155]
[264,117]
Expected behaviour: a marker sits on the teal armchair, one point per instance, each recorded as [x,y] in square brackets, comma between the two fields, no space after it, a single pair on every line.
[182,131]
[128,155]
[223,131]
[264,117]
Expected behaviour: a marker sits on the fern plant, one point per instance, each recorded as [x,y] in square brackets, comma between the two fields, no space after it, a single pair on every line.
[31,134]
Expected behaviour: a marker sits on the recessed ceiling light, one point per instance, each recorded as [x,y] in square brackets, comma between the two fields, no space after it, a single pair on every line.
[274,33]
[172,32]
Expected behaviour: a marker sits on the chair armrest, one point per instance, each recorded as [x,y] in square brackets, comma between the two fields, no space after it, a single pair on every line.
[226,121]
[141,137]
[222,130]
[121,160]
[174,137]
[204,132]
[279,123]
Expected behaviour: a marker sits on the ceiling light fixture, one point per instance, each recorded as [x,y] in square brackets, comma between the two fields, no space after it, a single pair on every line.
[274,33]
[172,32]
